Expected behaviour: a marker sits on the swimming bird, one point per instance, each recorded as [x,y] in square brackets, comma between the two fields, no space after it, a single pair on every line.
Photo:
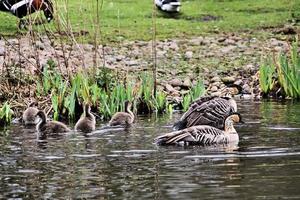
[123,118]
[203,134]
[46,128]
[208,111]
[170,6]
[87,122]
[29,116]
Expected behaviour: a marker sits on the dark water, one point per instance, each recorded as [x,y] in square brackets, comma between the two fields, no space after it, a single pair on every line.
[127,165]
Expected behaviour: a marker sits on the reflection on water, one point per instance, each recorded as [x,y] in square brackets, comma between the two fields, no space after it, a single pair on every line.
[127,165]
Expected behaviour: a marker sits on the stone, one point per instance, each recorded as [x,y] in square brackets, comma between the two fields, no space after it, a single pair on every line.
[247,88]
[131,63]
[175,82]
[188,54]
[215,79]
[227,49]
[174,46]
[214,89]
[187,82]
[39,45]
[228,79]
[2,51]
[238,82]
[170,89]
[215,94]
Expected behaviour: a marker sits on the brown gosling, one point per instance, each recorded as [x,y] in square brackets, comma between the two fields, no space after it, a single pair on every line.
[123,118]
[29,116]
[46,128]
[87,122]
[203,134]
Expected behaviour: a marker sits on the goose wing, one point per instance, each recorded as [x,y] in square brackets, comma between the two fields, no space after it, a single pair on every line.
[210,111]
[196,135]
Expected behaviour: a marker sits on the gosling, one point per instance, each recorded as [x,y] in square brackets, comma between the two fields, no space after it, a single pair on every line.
[123,118]
[203,134]
[29,116]
[48,128]
[87,122]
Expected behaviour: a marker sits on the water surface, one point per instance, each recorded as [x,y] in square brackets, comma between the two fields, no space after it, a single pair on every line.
[127,165]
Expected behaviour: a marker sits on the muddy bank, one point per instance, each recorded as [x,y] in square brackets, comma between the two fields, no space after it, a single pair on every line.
[219,60]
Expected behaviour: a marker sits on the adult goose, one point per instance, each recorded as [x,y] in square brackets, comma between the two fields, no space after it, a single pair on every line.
[46,128]
[123,118]
[87,122]
[203,134]
[22,8]
[170,6]
[207,111]
[29,116]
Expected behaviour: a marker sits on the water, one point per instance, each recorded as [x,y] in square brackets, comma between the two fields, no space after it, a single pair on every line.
[127,165]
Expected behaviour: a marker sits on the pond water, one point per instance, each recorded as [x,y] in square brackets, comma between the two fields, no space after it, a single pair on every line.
[127,165]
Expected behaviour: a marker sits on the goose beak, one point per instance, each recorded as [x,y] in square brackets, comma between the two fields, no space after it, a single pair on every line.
[242,122]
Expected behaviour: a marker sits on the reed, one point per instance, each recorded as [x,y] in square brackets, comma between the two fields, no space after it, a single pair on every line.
[5,114]
[267,76]
[284,70]
[288,70]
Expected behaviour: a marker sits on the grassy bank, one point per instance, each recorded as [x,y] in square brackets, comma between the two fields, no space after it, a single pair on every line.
[120,20]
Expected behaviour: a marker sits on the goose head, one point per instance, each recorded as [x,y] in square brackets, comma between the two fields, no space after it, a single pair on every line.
[230,120]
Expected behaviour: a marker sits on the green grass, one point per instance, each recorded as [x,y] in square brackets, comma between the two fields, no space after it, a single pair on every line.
[132,19]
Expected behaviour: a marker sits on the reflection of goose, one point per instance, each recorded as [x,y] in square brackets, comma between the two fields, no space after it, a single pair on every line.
[207,111]
[203,134]
[87,122]
[48,128]
[29,116]
[168,5]
[123,118]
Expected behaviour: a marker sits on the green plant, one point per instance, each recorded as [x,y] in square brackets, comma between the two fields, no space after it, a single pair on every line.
[160,102]
[288,70]
[186,101]
[197,91]
[5,114]
[266,76]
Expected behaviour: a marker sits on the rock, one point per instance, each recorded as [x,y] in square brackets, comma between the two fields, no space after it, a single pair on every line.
[188,54]
[214,89]
[215,94]
[227,49]
[230,41]
[2,51]
[120,58]
[216,84]
[175,82]
[228,79]
[187,82]
[238,82]
[246,88]
[39,45]
[131,63]
[170,89]
[174,46]
[215,79]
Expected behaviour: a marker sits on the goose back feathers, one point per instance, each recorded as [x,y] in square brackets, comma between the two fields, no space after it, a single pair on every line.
[123,118]
[210,111]
[203,134]
[87,122]
[46,128]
